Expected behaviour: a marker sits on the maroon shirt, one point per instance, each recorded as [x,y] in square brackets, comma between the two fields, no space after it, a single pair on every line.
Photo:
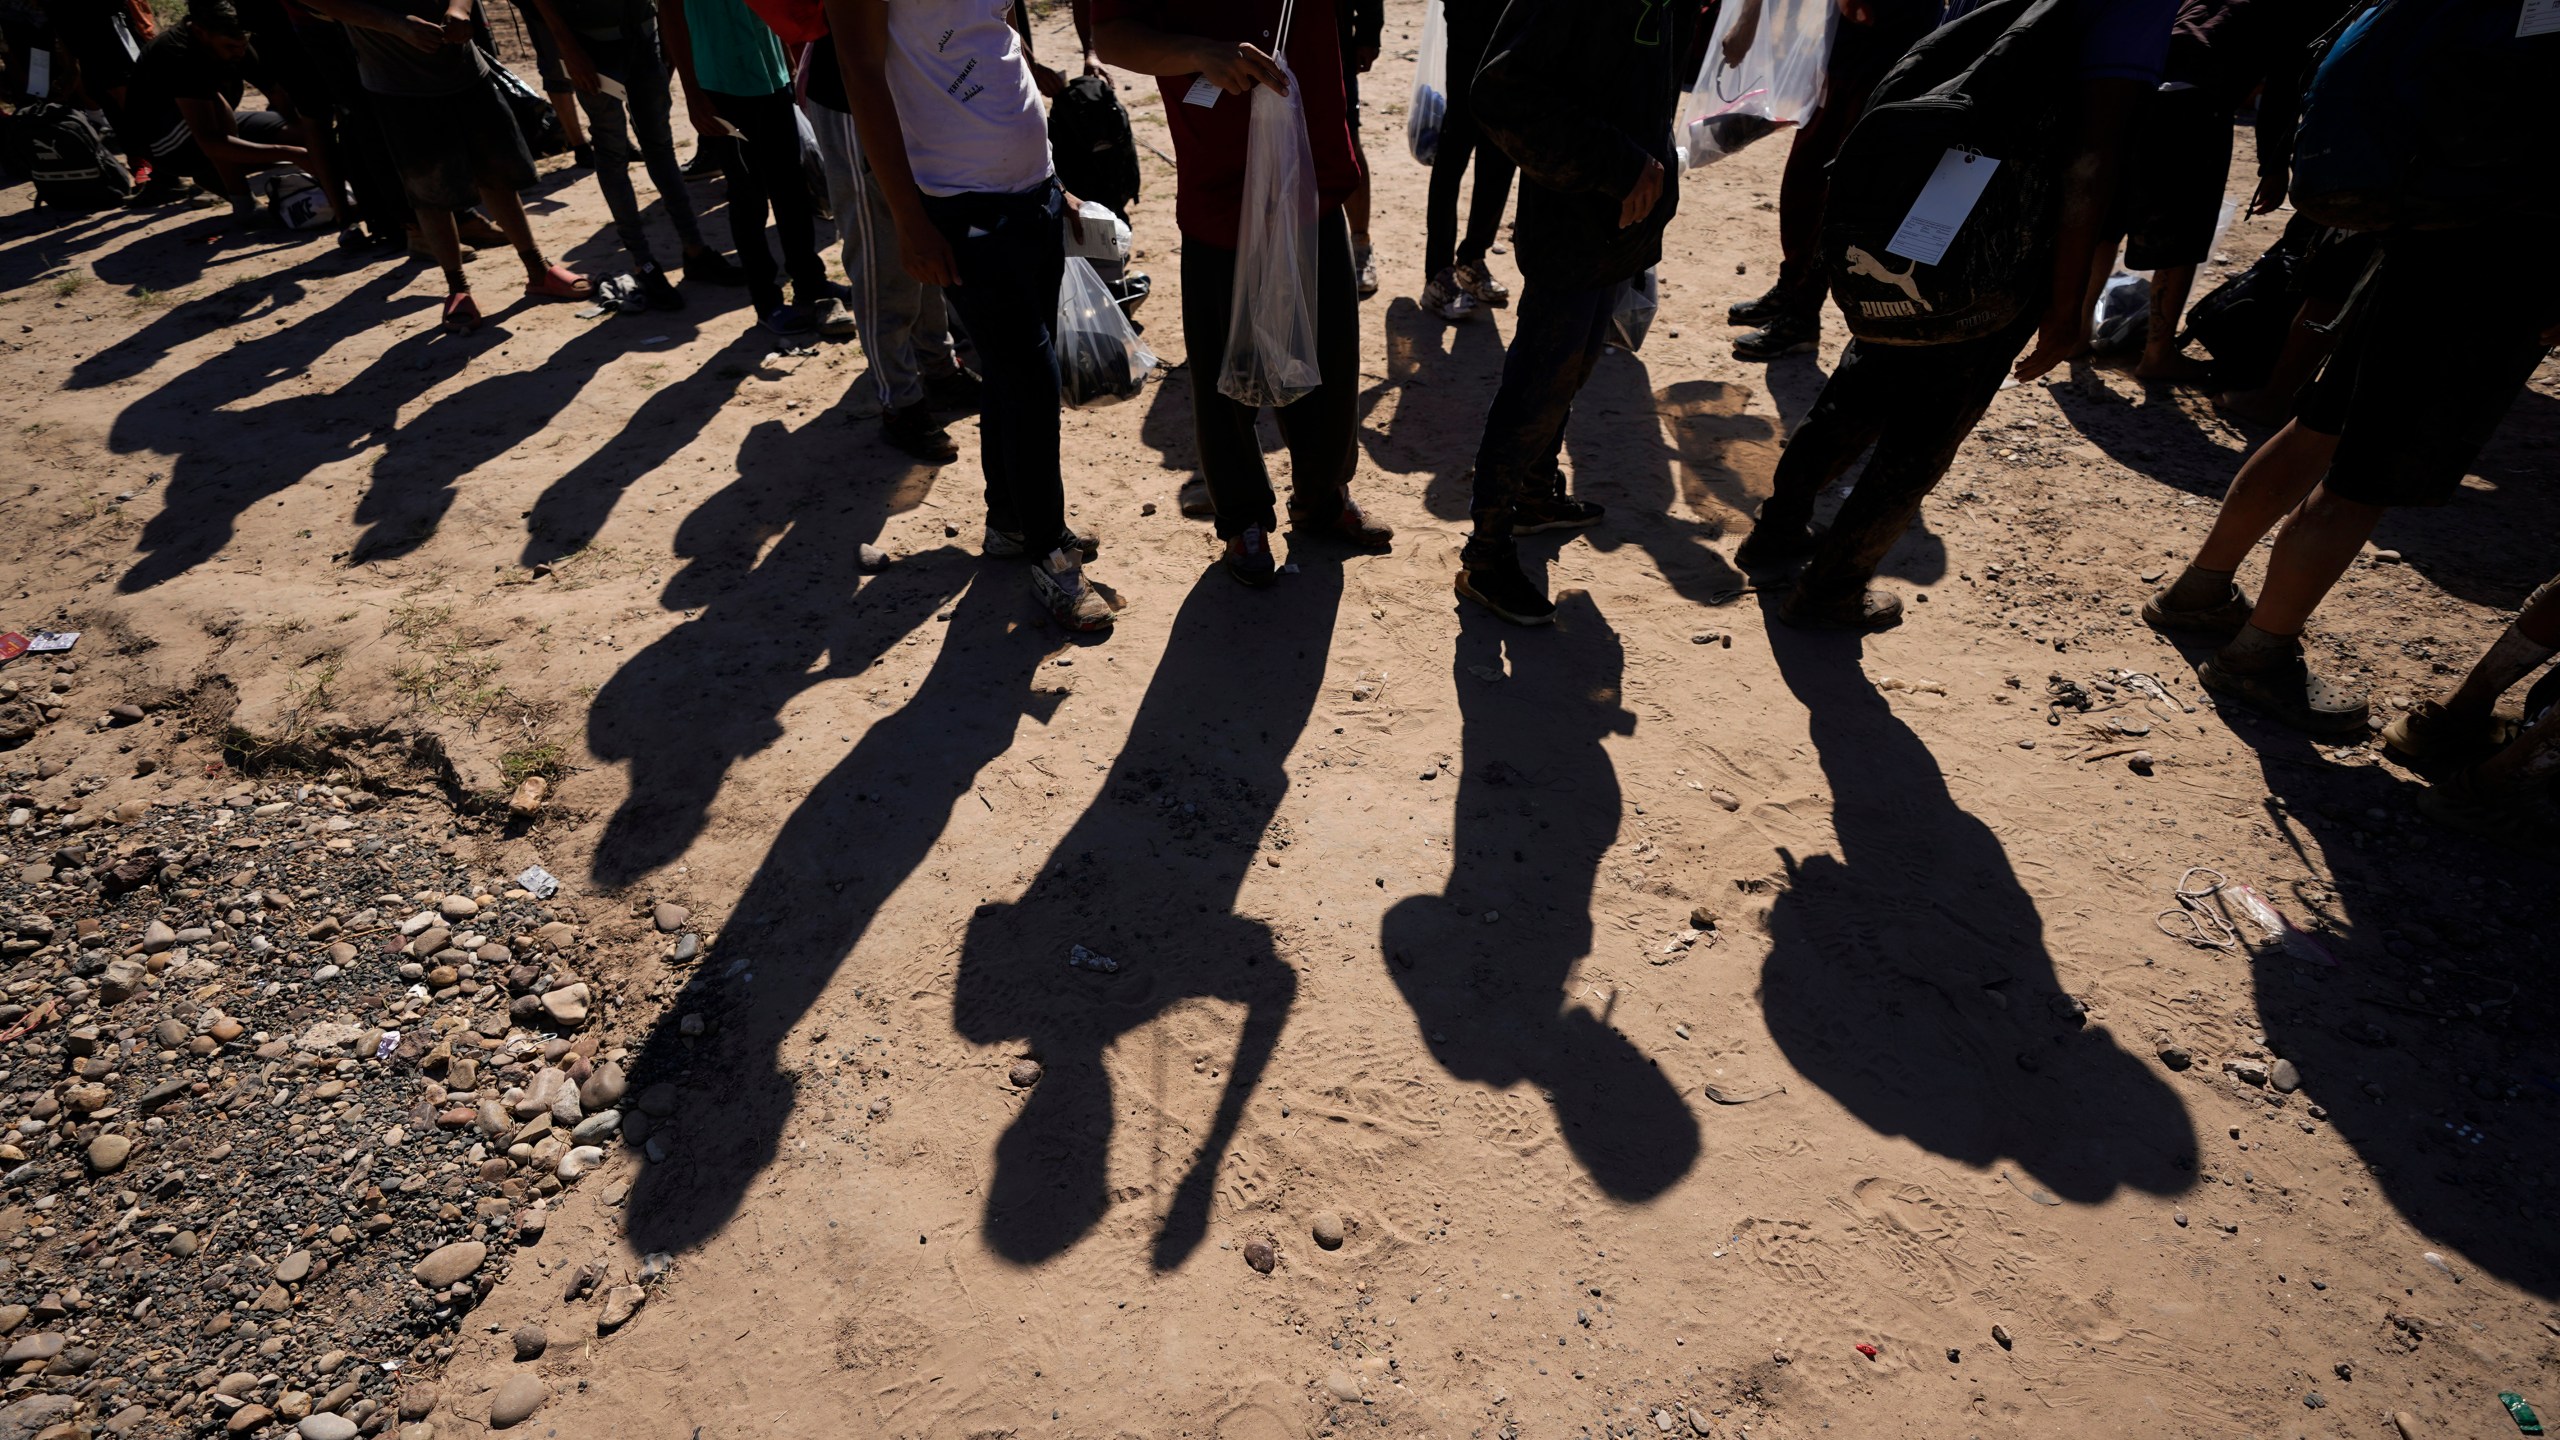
[1208,141]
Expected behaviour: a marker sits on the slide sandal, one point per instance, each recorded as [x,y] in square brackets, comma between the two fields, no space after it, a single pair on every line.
[461,314]
[560,283]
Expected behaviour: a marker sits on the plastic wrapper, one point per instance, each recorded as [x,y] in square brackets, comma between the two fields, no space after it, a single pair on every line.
[1639,300]
[1101,360]
[1776,81]
[1271,329]
[1430,87]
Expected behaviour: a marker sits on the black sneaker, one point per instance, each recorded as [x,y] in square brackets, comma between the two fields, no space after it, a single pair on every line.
[1779,299]
[1790,334]
[1489,573]
[1773,544]
[704,164]
[791,322]
[912,430]
[709,267]
[657,290]
[1003,544]
[1865,609]
[582,157]
[2280,686]
[1248,558]
[1537,514]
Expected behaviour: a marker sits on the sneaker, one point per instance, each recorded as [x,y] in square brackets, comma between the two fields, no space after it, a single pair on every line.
[1443,298]
[1489,573]
[704,164]
[835,321]
[582,157]
[2433,734]
[1008,544]
[1341,520]
[1479,282]
[1779,299]
[1869,609]
[1072,601]
[1790,334]
[657,290]
[912,430]
[1363,260]
[709,267]
[2282,687]
[1248,558]
[2220,620]
[789,321]
[1537,514]
[1773,544]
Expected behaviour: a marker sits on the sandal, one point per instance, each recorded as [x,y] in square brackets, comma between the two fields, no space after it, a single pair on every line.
[461,313]
[2433,734]
[2283,688]
[559,282]
[2220,620]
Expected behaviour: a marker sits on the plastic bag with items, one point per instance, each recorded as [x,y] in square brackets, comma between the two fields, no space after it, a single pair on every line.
[1101,360]
[1430,87]
[1639,300]
[1777,51]
[1271,328]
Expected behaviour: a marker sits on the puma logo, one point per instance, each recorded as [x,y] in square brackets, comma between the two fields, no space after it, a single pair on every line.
[1868,267]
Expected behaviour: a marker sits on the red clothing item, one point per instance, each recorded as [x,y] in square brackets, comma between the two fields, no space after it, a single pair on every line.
[1208,141]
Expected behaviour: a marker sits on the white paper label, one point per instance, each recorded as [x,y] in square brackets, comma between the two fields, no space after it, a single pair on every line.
[2540,17]
[1203,93]
[612,87]
[39,73]
[1943,204]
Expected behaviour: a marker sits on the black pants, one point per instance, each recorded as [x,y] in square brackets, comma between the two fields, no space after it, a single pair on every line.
[1460,140]
[1011,255]
[1558,339]
[763,170]
[1915,404]
[1320,428]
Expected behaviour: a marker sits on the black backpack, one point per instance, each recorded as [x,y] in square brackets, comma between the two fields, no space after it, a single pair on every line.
[2243,321]
[1092,145]
[68,159]
[1995,84]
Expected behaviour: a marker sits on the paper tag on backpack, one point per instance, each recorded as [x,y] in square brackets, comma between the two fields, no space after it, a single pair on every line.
[1953,189]
[2540,17]
[39,73]
[1203,93]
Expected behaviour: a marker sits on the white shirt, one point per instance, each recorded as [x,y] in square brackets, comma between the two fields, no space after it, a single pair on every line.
[965,97]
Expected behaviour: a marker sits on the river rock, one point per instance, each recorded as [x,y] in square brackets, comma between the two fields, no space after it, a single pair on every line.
[516,1400]
[453,1262]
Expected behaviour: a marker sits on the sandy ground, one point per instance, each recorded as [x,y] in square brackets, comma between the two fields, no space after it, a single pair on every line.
[1397,895]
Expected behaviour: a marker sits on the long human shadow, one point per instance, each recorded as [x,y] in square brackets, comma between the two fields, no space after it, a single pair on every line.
[1149,876]
[1617,454]
[1908,976]
[263,297]
[1485,965]
[42,240]
[1442,376]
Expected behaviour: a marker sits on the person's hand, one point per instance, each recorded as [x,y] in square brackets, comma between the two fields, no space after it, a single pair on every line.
[1641,200]
[1093,67]
[1737,41]
[1364,57]
[1857,12]
[457,24]
[705,117]
[2057,340]
[422,32]
[1047,79]
[2270,194]
[925,253]
[1239,67]
[580,70]
[1074,209]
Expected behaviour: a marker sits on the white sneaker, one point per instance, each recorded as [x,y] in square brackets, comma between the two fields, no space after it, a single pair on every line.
[1364,259]
[1443,298]
[1478,281]
[1059,582]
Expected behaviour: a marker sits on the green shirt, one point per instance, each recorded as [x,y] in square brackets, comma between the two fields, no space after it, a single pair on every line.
[734,53]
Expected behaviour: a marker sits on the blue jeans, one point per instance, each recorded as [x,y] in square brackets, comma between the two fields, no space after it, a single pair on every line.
[1554,344]
[1011,256]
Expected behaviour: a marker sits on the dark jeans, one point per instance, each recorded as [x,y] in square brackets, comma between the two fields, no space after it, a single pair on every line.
[1320,428]
[1915,404]
[1011,256]
[1460,140]
[1554,344]
[763,169]
[1860,56]
[630,59]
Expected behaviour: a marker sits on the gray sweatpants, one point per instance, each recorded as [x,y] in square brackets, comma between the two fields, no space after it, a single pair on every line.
[904,326]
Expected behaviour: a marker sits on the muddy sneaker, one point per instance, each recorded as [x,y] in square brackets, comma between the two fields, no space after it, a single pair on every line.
[1791,334]
[791,322]
[1366,262]
[1864,609]
[1779,299]
[2281,687]
[1248,558]
[657,289]
[1443,298]
[2434,734]
[1489,573]
[1072,601]
[1343,520]
[1537,514]
[1009,544]
[912,430]
[1477,281]
[834,319]
[2219,620]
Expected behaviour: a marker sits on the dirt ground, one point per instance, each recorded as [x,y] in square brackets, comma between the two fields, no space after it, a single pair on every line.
[1399,898]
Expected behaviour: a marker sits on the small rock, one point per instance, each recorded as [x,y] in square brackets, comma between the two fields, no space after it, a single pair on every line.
[620,1304]
[327,1427]
[871,557]
[596,1128]
[2284,1076]
[1024,1074]
[417,1402]
[294,1268]
[528,797]
[578,1161]
[1702,918]
[1327,1229]
[516,1400]
[2000,1335]
[457,907]
[2247,1072]
[669,917]
[1260,1255]
[1343,1385]
[531,1341]
[248,1418]
[444,1266]
[567,1005]
[2314,1400]
[604,1089]
[2176,1057]
[107,1153]
[42,1346]
[2139,762]
[157,937]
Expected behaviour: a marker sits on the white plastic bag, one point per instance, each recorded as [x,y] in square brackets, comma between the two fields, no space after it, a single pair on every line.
[1430,87]
[1101,360]
[1271,328]
[1639,300]
[1778,80]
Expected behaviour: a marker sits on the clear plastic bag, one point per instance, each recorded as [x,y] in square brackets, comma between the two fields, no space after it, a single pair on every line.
[1430,87]
[1271,328]
[1777,82]
[1101,360]
[1639,300]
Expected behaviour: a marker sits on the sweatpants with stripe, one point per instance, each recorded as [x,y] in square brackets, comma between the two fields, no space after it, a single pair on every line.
[904,325]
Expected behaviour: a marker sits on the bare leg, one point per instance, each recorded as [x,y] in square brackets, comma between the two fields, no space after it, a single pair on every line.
[2270,483]
[444,242]
[2161,356]
[573,126]
[2304,349]
[507,212]
[2529,641]
[2315,549]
